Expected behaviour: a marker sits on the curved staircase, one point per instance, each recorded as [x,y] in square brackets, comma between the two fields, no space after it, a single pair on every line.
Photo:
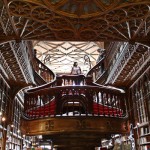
[74,113]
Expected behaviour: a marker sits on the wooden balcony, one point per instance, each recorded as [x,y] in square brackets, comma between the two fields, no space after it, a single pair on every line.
[73,104]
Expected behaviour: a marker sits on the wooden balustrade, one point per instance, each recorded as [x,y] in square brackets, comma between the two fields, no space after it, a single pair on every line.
[44,71]
[74,100]
[98,70]
[64,80]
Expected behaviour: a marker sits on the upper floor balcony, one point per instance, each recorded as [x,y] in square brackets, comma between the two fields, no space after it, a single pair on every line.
[74,102]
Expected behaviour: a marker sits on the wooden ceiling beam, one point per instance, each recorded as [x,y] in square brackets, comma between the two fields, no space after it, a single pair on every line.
[10,18]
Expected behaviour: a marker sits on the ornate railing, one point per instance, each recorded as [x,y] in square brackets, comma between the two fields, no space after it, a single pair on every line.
[43,71]
[64,80]
[98,70]
[21,53]
[72,96]
[38,79]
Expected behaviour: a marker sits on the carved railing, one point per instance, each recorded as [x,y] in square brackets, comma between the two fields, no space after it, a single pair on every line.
[98,70]
[38,79]
[64,80]
[69,96]
[44,71]
[21,53]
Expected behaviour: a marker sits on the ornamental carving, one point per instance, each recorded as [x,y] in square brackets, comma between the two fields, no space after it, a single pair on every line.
[116,16]
[83,8]
[41,14]
[34,30]
[49,125]
[133,59]
[137,11]
[58,23]
[105,20]
[74,8]
[5,24]
[98,24]
[2,31]
[20,8]
[82,124]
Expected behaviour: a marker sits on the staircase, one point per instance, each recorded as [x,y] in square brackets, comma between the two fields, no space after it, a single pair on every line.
[98,72]
[42,73]
[73,112]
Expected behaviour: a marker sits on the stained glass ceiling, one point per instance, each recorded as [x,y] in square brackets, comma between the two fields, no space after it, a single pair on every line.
[60,56]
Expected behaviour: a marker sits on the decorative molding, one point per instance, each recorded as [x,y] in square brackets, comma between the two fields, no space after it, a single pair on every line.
[49,125]
[116,21]
[53,126]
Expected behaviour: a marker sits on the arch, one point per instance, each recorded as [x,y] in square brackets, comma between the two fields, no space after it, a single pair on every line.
[74,103]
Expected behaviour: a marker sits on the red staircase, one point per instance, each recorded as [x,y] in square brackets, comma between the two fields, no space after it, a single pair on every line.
[72,109]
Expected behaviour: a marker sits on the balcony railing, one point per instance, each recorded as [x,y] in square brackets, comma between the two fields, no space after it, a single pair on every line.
[98,70]
[71,95]
[44,71]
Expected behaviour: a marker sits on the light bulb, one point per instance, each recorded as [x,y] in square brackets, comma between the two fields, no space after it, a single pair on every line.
[3,119]
[12,125]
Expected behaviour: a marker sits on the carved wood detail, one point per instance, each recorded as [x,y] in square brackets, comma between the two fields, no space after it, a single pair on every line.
[75,20]
[52,126]
[135,57]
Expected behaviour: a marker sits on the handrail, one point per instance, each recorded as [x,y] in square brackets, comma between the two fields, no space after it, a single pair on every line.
[47,74]
[38,79]
[97,70]
[82,100]
[62,80]
[48,85]
[73,95]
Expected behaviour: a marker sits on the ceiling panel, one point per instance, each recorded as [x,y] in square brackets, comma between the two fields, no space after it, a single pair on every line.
[60,56]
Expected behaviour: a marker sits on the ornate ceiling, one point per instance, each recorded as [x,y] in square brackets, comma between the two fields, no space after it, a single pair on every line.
[81,8]
[60,56]
[79,20]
